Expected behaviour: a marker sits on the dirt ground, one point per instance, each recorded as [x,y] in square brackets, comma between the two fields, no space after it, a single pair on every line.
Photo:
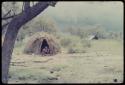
[101,63]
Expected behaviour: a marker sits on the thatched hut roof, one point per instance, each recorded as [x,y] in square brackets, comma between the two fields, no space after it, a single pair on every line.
[37,42]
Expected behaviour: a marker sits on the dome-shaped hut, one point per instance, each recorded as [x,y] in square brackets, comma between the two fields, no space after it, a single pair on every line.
[43,44]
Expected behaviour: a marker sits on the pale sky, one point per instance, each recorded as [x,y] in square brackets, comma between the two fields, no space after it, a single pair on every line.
[110,11]
[85,8]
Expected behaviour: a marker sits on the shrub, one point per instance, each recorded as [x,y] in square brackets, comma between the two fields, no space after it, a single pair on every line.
[86,43]
[71,50]
[65,42]
[68,40]
[74,44]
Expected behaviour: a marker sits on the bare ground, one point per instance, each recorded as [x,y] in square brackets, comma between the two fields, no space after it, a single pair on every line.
[102,63]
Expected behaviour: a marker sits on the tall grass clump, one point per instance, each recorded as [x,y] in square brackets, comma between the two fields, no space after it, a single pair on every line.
[74,44]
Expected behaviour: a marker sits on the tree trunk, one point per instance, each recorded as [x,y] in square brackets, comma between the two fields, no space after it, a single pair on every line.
[12,32]
[7,49]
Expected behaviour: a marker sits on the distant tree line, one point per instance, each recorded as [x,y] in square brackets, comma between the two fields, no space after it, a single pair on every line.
[100,31]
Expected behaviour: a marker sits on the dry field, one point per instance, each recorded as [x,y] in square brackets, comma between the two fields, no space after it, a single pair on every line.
[101,63]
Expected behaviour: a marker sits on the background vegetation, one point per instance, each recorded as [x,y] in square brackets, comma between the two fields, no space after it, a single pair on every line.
[78,51]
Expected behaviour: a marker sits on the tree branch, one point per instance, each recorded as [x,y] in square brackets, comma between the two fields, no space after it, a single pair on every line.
[34,11]
[5,18]
[27,7]
[7,13]
[52,3]
[4,25]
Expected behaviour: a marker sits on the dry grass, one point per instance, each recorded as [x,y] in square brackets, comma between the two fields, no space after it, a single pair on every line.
[102,63]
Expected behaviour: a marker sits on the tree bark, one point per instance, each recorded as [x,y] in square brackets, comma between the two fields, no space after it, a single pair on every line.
[7,49]
[12,32]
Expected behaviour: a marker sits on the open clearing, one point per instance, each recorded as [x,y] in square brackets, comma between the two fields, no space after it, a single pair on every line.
[101,63]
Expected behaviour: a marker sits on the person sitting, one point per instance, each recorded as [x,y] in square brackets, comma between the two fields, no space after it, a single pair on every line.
[45,51]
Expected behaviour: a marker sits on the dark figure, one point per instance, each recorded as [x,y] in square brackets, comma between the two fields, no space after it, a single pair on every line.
[45,51]
[44,44]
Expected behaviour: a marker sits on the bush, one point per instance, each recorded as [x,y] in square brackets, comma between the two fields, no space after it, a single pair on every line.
[74,44]
[86,43]
[76,48]
[68,40]
[71,50]
[65,42]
